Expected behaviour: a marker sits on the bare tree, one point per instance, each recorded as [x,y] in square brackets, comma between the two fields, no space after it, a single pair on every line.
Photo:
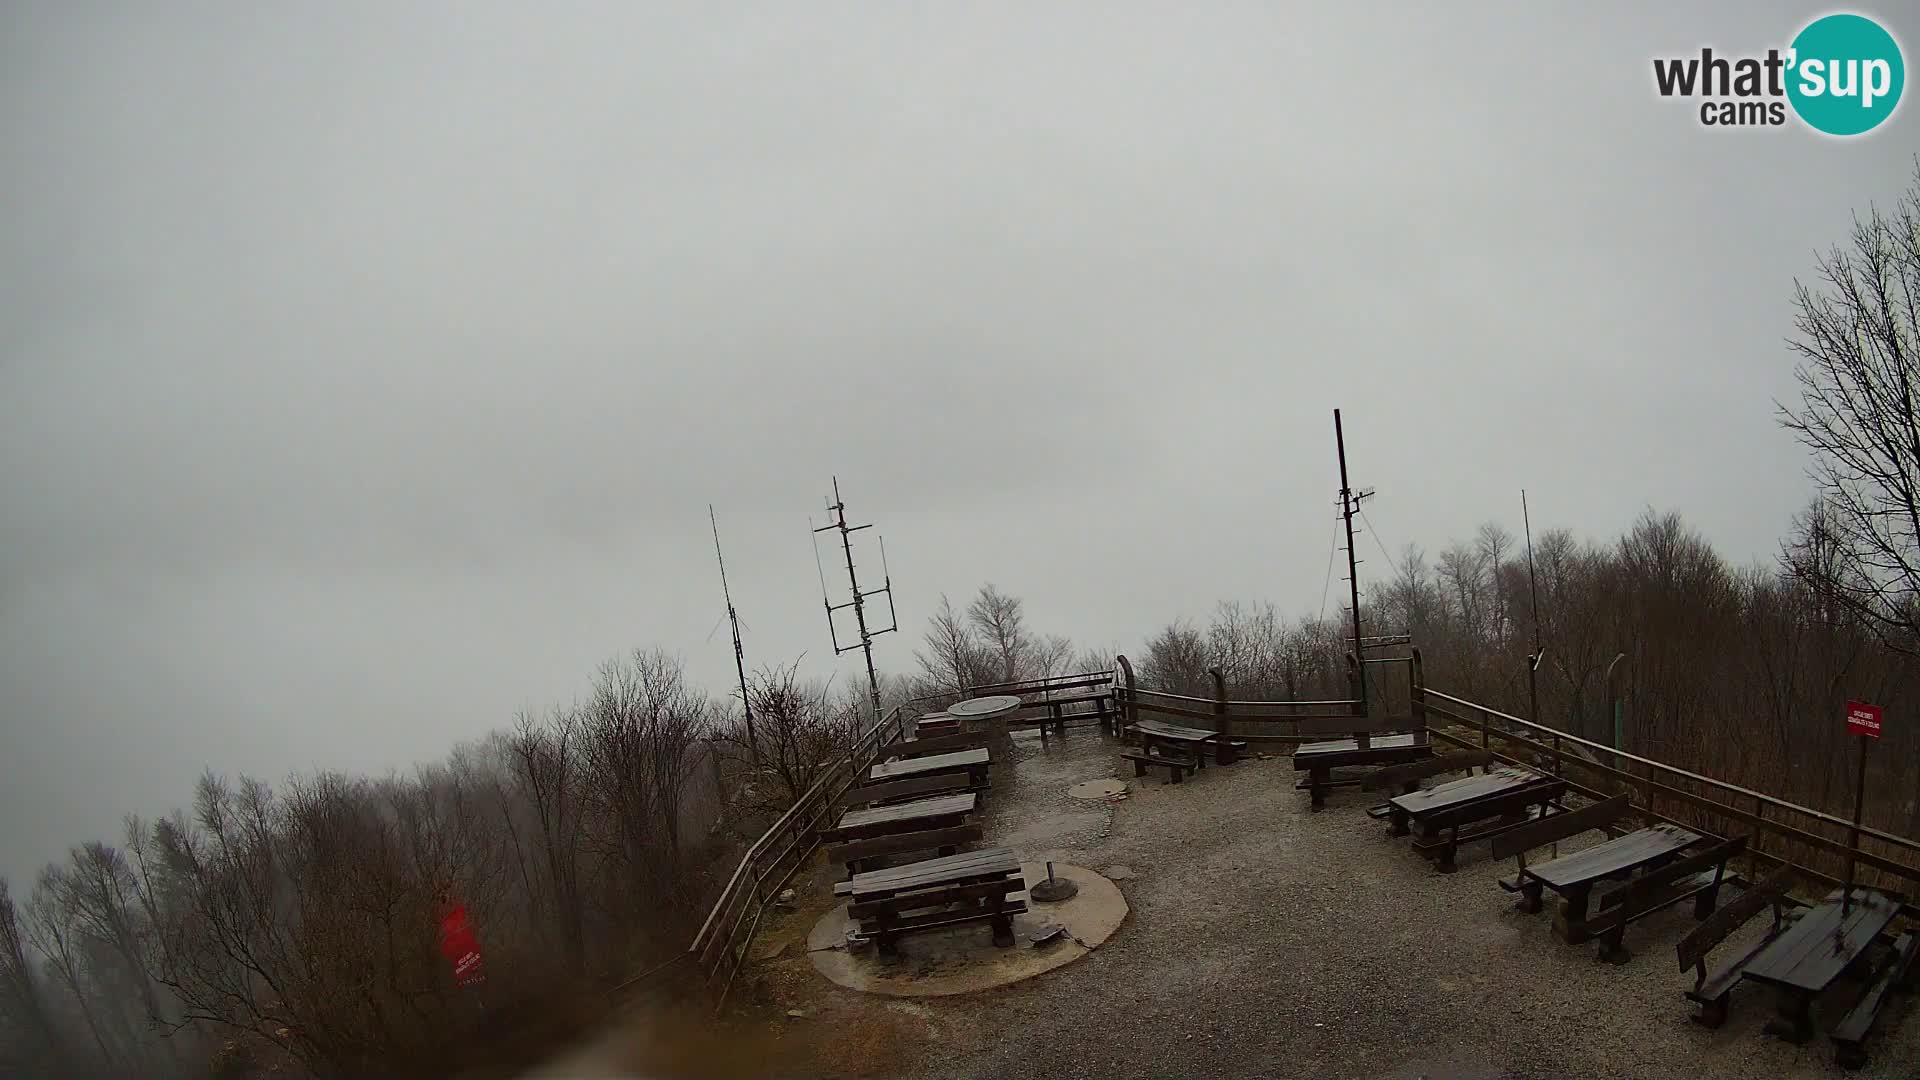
[1857,333]
[29,1032]
[952,660]
[1001,624]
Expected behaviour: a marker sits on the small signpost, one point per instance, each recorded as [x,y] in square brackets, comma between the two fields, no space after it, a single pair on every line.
[1863,720]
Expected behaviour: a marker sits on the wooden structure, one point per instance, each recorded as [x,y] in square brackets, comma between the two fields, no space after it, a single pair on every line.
[1358,742]
[1712,988]
[1177,767]
[1696,876]
[927,746]
[1453,813]
[859,855]
[939,812]
[1805,958]
[974,886]
[973,763]
[918,787]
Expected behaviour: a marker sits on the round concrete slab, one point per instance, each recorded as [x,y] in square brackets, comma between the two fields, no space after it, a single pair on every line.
[1097,789]
[963,959]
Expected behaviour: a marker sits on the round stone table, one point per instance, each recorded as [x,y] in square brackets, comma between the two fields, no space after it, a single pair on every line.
[990,714]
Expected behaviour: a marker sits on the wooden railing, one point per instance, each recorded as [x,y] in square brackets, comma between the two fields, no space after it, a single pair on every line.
[1256,721]
[1779,832]
[721,946]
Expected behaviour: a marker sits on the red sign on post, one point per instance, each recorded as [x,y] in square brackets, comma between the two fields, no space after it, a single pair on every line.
[1863,719]
[461,948]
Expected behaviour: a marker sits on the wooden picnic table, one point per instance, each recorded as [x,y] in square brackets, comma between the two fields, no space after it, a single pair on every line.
[1809,955]
[972,762]
[970,886]
[942,811]
[1190,742]
[1319,759]
[1442,812]
[1574,876]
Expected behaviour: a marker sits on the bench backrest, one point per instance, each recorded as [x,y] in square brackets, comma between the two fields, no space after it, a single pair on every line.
[1555,827]
[938,744]
[1394,775]
[869,794]
[1536,793]
[1335,726]
[1634,893]
[903,842]
[1715,928]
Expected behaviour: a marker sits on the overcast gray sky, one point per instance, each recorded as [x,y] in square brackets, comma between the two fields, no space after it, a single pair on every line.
[366,370]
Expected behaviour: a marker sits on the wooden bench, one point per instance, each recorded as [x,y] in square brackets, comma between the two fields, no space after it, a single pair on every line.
[1406,778]
[1711,989]
[976,764]
[968,887]
[938,744]
[1575,876]
[901,790]
[1449,815]
[1158,735]
[1896,971]
[1356,741]
[857,854]
[1176,767]
[933,724]
[939,812]
[1696,877]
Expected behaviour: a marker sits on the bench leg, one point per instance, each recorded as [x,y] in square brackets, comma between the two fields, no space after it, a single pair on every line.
[1532,899]
[1445,863]
[1613,947]
[1174,773]
[1317,781]
[1704,904]
[1397,822]
[1713,1013]
[1139,768]
[1570,924]
[1792,1019]
[1001,922]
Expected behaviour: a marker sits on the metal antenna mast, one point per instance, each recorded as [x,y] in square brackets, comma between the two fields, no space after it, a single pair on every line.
[859,602]
[1349,506]
[739,651]
[1533,587]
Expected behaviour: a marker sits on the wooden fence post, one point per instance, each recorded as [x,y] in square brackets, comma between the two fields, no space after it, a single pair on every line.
[1356,692]
[1220,720]
[1417,695]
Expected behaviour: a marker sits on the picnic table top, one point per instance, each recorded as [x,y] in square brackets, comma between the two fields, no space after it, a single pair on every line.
[1616,856]
[1804,956]
[932,763]
[1467,789]
[975,708]
[939,806]
[986,862]
[1337,746]
[1162,730]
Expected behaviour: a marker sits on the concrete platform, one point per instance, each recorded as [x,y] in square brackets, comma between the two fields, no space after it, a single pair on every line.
[963,959]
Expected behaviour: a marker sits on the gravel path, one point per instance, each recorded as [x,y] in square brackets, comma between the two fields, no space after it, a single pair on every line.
[1268,941]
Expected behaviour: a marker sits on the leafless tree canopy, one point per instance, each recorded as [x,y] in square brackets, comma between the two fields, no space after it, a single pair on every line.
[1857,332]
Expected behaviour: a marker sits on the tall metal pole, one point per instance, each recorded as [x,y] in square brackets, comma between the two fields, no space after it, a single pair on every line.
[739,651]
[1853,833]
[1349,502]
[859,601]
[1533,587]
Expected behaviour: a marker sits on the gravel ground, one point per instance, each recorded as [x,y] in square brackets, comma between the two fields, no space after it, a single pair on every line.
[1268,941]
